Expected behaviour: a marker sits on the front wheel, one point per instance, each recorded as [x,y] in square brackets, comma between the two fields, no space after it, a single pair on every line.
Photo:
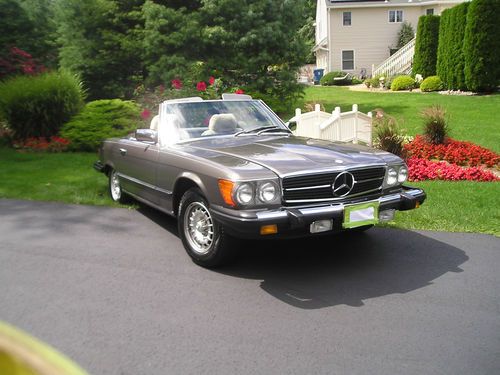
[115,188]
[203,237]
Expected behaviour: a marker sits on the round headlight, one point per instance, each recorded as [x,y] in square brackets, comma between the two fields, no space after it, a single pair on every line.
[403,174]
[244,194]
[392,176]
[267,192]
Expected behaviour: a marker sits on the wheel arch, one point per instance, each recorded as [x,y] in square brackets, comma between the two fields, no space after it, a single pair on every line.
[183,183]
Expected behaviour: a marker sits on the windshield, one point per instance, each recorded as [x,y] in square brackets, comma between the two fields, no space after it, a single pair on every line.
[192,120]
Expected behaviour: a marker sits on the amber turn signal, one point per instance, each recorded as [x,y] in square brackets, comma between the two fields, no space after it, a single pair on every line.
[226,190]
[417,205]
[268,229]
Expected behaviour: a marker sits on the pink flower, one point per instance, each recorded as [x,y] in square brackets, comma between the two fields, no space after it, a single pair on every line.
[20,52]
[145,114]
[176,84]
[239,91]
[211,80]
[201,86]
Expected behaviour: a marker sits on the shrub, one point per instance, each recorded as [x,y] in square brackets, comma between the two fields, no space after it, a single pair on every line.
[405,34]
[426,46]
[37,106]
[435,124]
[99,120]
[375,82]
[432,83]
[402,83]
[52,144]
[482,46]
[388,135]
[328,78]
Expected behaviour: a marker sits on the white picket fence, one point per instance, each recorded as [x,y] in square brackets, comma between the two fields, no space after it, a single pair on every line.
[352,126]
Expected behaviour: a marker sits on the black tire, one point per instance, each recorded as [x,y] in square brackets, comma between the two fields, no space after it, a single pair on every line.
[115,189]
[205,249]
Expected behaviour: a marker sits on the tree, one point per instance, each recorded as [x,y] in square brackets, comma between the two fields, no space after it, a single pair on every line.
[405,34]
[443,66]
[426,46]
[101,42]
[482,46]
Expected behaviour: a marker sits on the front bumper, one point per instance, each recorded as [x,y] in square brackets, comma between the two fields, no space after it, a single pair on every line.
[99,167]
[295,221]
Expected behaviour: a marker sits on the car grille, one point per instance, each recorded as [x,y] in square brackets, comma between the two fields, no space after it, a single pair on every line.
[318,187]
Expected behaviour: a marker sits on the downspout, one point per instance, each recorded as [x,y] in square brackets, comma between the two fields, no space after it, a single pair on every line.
[329,39]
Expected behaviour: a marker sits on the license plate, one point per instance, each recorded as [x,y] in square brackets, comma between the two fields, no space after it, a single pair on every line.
[361,214]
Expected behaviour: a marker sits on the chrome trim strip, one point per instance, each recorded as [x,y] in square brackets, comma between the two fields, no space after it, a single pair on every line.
[308,187]
[372,179]
[145,184]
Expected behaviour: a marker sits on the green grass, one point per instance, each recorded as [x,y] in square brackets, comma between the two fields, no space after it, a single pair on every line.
[67,177]
[455,206]
[472,118]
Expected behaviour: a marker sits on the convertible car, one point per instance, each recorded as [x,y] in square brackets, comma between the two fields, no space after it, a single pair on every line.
[230,169]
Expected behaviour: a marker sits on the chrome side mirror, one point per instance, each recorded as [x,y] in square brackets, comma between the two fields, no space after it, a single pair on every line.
[292,125]
[146,135]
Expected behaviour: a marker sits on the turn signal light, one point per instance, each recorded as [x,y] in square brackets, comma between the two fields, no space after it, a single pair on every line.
[226,190]
[417,205]
[268,229]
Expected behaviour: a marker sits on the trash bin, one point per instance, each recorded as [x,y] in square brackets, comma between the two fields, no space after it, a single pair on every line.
[318,73]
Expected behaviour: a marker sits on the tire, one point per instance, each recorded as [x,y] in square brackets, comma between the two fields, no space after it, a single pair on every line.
[115,188]
[203,237]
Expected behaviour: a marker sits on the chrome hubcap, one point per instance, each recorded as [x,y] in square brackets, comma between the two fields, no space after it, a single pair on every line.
[199,227]
[116,190]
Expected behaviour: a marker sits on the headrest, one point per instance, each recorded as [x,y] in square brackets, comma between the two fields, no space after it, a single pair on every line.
[223,123]
[154,123]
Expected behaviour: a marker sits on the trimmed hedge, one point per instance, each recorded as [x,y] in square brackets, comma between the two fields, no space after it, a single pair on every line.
[450,65]
[482,46]
[402,83]
[99,120]
[37,106]
[432,83]
[426,46]
[328,79]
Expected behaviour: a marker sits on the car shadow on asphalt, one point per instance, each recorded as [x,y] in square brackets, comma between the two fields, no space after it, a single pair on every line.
[346,268]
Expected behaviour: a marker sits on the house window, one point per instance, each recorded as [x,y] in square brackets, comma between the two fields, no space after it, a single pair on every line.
[348,60]
[429,12]
[346,18]
[395,16]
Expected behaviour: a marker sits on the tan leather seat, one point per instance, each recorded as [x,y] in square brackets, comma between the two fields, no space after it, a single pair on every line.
[222,123]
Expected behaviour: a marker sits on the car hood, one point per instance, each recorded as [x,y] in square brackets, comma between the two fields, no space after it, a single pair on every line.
[290,154]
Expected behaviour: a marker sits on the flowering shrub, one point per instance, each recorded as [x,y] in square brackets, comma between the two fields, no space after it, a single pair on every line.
[452,151]
[422,169]
[18,61]
[52,144]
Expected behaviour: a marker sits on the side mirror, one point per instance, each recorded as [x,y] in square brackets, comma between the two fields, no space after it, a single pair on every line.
[146,135]
[292,125]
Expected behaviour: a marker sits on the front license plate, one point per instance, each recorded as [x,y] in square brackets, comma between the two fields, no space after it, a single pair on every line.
[358,215]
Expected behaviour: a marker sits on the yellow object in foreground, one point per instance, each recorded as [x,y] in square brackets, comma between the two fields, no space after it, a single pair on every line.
[22,354]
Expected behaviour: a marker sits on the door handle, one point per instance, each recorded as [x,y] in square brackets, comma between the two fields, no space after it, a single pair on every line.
[123,151]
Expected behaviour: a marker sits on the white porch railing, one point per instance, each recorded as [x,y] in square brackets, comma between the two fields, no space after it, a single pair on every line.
[352,126]
[399,63]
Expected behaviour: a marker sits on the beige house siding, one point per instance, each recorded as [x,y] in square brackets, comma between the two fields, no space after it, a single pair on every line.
[370,35]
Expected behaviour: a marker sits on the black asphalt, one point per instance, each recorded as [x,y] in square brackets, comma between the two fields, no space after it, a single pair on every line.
[114,290]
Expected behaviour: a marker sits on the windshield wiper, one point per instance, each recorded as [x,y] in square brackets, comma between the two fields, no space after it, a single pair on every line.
[259,130]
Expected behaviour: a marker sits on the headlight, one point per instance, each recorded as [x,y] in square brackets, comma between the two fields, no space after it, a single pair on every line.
[402,174]
[392,176]
[244,194]
[267,192]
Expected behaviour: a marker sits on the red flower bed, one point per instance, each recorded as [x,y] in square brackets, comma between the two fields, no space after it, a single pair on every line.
[52,144]
[422,169]
[455,152]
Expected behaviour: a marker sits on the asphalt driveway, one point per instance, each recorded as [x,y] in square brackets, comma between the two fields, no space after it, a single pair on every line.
[114,290]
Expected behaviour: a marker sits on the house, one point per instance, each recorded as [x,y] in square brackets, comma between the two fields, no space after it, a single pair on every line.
[357,36]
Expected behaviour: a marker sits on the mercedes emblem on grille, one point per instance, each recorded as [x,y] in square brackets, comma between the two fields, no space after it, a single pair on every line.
[343,184]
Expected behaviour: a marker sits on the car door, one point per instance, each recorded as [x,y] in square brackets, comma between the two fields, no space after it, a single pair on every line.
[136,163]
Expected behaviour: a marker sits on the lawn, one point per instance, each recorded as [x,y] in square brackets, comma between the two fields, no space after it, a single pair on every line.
[475,118]
[70,178]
